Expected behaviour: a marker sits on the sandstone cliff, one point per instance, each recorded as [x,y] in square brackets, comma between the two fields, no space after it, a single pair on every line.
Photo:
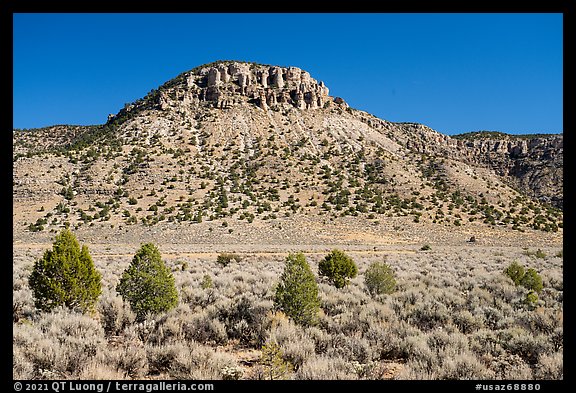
[223,85]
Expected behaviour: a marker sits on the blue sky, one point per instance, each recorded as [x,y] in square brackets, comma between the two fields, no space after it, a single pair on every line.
[452,72]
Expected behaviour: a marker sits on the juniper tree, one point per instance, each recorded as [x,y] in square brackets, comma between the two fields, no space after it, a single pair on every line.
[338,268]
[147,284]
[515,271]
[532,281]
[297,293]
[65,276]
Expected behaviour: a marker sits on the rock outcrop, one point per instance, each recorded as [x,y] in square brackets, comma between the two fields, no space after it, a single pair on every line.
[225,84]
[531,164]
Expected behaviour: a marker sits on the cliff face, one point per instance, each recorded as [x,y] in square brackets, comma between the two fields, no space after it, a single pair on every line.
[533,165]
[224,85]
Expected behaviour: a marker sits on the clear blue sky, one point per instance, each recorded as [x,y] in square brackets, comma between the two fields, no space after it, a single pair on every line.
[452,72]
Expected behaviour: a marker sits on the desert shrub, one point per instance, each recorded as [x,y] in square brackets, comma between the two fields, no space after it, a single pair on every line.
[196,361]
[417,348]
[374,314]
[351,348]
[338,268]
[65,276]
[485,341]
[99,370]
[466,322]
[161,358]
[168,328]
[529,347]
[550,366]
[515,271]
[22,305]
[59,344]
[554,279]
[244,319]
[22,367]
[147,284]
[293,340]
[297,292]
[327,368]
[545,321]
[379,279]
[510,367]
[335,301]
[445,344]
[425,247]
[225,258]
[463,367]
[130,359]
[532,281]
[115,314]
[414,370]
[80,337]
[385,344]
[429,314]
[205,327]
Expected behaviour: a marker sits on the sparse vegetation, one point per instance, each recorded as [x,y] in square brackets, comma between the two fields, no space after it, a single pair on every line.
[438,323]
[261,183]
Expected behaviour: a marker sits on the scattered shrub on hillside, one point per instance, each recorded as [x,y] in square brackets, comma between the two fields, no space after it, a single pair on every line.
[327,368]
[294,342]
[65,276]
[531,299]
[297,292]
[379,279]
[58,344]
[551,366]
[338,268]
[147,284]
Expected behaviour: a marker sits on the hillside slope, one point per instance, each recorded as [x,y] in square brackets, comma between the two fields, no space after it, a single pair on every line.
[239,145]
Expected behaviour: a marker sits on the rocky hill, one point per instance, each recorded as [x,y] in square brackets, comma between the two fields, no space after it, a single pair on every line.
[233,143]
